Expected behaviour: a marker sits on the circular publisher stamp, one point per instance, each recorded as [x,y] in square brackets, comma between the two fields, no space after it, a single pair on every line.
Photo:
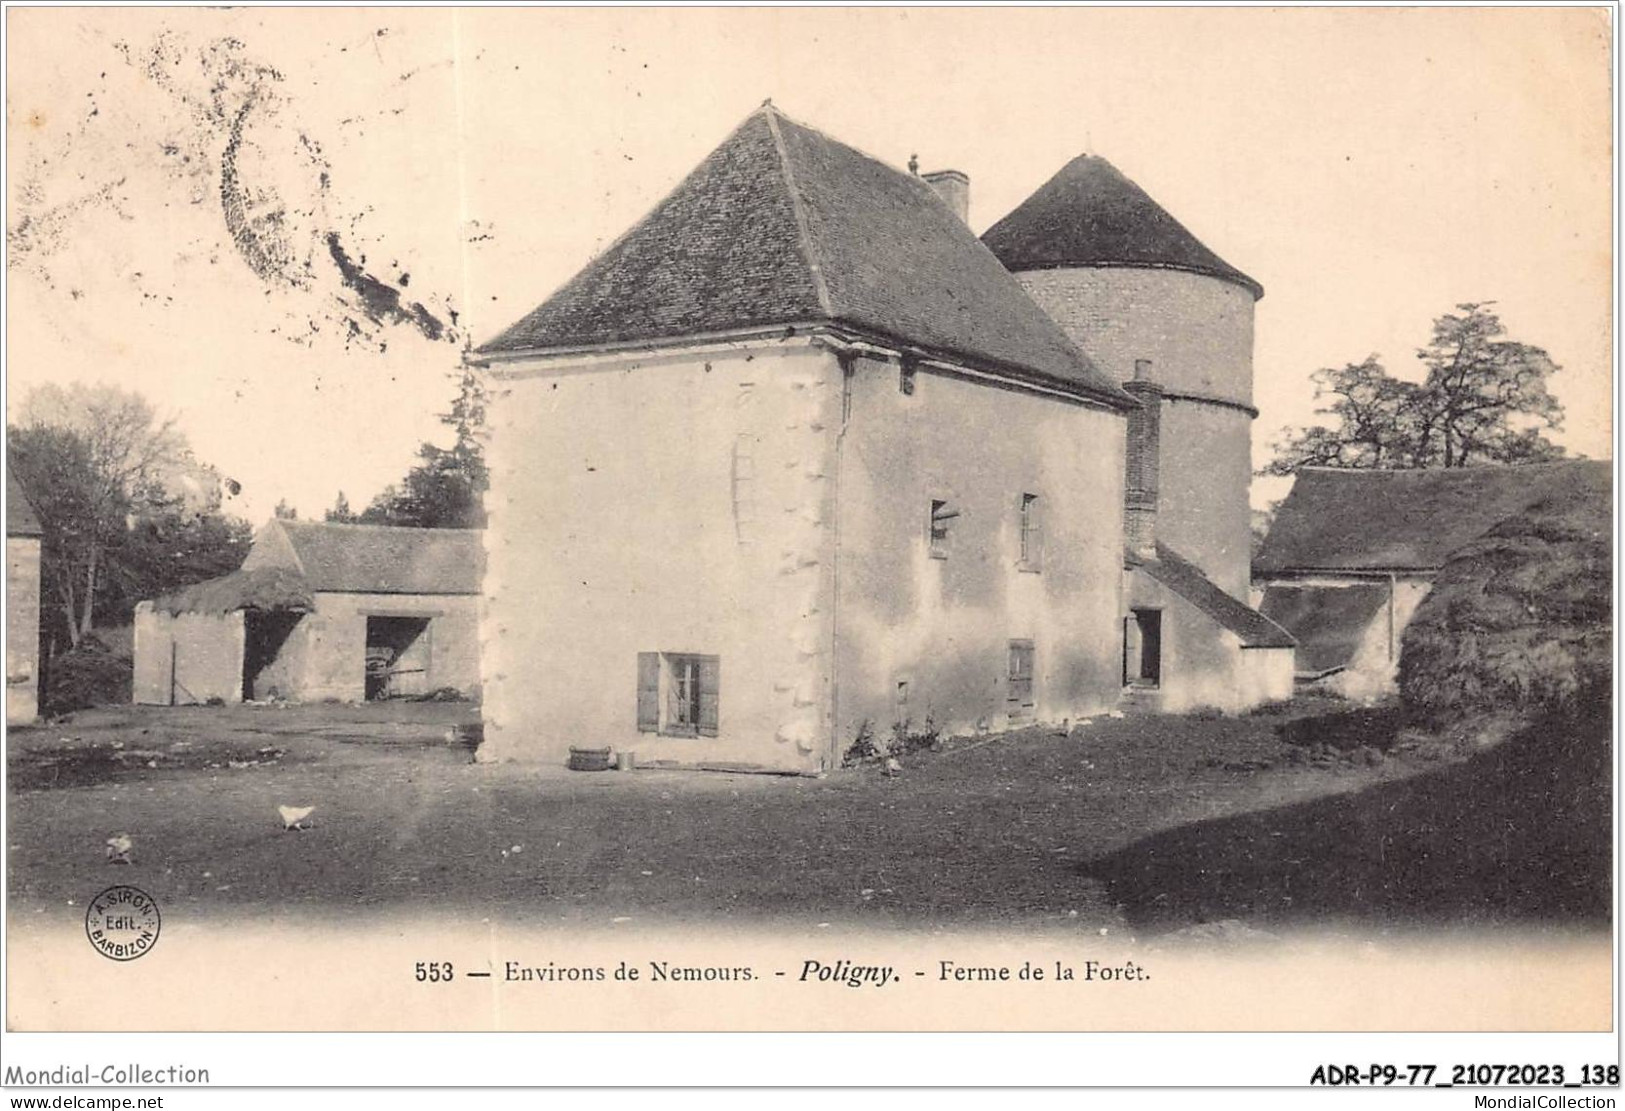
[122,923]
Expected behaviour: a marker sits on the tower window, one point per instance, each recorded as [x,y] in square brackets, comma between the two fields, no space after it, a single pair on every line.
[1030,513]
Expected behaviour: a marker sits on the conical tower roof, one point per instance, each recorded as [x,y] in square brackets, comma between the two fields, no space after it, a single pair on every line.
[1090,215]
[784,225]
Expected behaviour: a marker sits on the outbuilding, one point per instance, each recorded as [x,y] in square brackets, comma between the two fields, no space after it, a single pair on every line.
[23,538]
[1352,553]
[320,612]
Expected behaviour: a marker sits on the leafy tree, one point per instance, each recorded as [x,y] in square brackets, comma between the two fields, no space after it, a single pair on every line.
[285,512]
[446,487]
[1477,384]
[341,513]
[167,549]
[1483,400]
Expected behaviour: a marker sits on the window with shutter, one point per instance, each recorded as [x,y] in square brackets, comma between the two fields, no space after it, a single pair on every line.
[679,694]
[648,692]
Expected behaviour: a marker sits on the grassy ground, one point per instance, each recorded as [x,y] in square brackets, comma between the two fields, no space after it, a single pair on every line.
[1140,824]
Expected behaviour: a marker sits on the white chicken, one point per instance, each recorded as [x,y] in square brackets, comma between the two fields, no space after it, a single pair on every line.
[293,817]
[118,848]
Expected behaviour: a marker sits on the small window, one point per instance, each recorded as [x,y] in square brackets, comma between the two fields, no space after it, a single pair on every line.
[1032,533]
[1019,692]
[678,694]
[940,528]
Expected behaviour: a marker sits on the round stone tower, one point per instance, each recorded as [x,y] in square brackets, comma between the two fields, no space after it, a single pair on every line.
[1136,291]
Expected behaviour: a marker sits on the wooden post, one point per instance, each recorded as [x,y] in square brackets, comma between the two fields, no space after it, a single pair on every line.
[1393,587]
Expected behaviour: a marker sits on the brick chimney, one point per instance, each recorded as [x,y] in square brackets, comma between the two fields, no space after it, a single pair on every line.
[954,189]
[1144,449]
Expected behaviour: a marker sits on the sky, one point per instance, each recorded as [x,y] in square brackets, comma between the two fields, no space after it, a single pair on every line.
[283,226]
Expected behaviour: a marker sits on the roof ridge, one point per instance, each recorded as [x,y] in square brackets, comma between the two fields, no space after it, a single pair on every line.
[402,529]
[803,235]
[1480,468]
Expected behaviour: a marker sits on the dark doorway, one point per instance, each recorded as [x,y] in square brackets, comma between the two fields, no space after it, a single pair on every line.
[397,657]
[264,634]
[1142,648]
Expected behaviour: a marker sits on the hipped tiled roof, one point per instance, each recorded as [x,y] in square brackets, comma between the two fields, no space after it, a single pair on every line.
[1187,580]
[781,225]
[1366,520]
[1089,214]
[21,520]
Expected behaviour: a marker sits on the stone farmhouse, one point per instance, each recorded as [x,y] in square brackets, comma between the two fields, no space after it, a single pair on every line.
[320,612]
[799,458]
[1352,553]
[23,539]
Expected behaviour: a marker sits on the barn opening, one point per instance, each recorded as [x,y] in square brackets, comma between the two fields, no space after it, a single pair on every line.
[264,634]
[397,657]
[1142,648]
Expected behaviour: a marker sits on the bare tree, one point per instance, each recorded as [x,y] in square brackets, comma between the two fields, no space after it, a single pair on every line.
[93,457]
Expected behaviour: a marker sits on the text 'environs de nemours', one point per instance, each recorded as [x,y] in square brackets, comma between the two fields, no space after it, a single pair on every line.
[516,972]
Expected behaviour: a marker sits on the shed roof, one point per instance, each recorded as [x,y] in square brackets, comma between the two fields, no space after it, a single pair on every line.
[21,520]
[1368,520]
[782,225]
[1090,214]
[1187,580]
[376,559]
[260,588]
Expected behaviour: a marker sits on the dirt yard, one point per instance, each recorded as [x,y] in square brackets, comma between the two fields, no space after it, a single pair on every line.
[1145,825]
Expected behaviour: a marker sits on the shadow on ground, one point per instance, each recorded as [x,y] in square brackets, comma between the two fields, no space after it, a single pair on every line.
[1518,833]
[1348,728]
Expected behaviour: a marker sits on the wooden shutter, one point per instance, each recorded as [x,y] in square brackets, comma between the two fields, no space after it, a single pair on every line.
[710,682]
[648,692]
[1020,694]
